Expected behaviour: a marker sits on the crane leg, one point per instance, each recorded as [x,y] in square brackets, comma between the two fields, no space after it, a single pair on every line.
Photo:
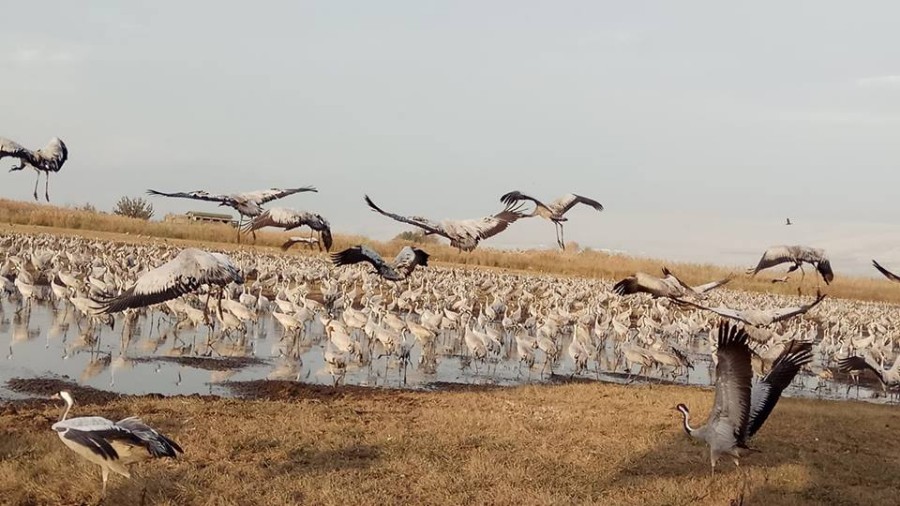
[36,181]
[105,479]
[46,187]
[559,236]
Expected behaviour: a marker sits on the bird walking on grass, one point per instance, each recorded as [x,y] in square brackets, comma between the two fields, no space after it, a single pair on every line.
[111,445]
[50,158]
[741,407]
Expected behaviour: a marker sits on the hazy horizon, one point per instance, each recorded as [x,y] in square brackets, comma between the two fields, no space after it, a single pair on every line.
[700,126]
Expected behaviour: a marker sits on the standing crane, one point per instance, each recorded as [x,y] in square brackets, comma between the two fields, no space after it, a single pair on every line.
[403,265]
[289,219]
[555,211]
[48,159]
[797,255]
[111,445]
[464,235]
[247,204]
[741,407]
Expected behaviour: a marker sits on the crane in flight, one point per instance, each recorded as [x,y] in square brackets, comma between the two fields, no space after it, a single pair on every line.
[464,235]
[247,204]
[796,255]
[188,271]
[668,286]
[405,263]
[758,317]
[289,219]
[48,159]
[555,211]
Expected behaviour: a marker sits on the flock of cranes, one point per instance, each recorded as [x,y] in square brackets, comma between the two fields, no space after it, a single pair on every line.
[481,317]
[355,305]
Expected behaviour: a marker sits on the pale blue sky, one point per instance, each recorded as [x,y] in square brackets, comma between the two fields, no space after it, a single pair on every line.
[699,125]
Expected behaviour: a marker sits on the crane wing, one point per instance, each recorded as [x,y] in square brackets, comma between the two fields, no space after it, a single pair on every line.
[641,282]
[189,270]
[490,226]
[667,273]
[515,197]
[423,223]
[195,195]
[280,217]
[157,444]
[789,312]
[773,256]
[13,149]
[731,408]
[888,274]
[707,287]
[855,363]
[566,202]
[765,394]
[727,312]
[409,258]
[53,155]
[263,196]
[358,254]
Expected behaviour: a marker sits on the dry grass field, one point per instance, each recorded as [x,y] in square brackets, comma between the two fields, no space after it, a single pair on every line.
[38,218]
[565,444]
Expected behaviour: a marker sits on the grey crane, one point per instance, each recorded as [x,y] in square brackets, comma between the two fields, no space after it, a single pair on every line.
[48,159]
[289,219]
[554,211]
[741,407]
[889,378]
[403,265]
[758,317]
[797,255]
[111,445]
[188,271]
[668,286]
[465,235]
[247,204]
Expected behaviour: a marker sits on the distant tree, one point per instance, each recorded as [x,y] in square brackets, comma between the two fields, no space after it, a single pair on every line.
[416,237]
[134,208]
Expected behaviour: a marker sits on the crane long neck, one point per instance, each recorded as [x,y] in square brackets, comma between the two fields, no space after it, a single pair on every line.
[686,416]
[66,412]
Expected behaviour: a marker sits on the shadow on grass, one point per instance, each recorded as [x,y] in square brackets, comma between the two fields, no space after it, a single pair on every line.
[311,460]
[841,462]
